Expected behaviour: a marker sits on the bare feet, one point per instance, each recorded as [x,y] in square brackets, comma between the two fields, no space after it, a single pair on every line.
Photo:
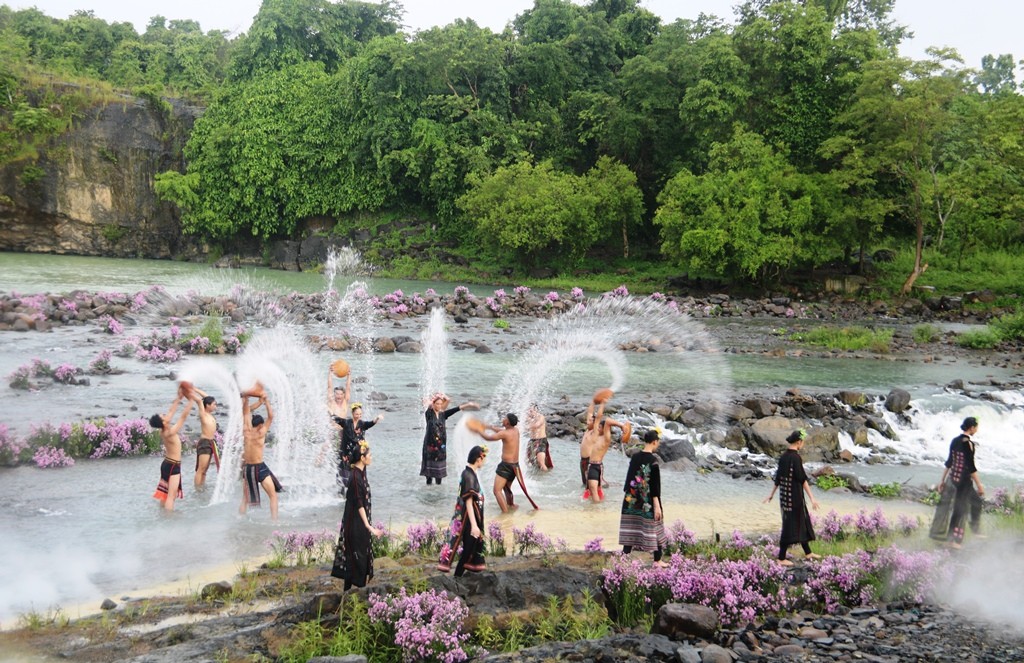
[786,562]
[812,556]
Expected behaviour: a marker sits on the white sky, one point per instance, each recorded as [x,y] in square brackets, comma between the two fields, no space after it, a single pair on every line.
[974,28]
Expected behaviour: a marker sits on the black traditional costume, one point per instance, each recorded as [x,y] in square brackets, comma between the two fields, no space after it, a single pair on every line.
[966,499]
[796,521]
[353,558]
[434,463]
[472,556]
[352,433]
[638,527]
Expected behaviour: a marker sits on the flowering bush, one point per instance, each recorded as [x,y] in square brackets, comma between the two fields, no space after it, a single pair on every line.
[101,364]
[594,545]
[424,539]
[679,538]
[66,374]
[387,544]
[576,293]
[461,293]
[865,525]
[1007,502]
[493,304]
[427,626]
[528,539]
[46,457]
[859,578]
[495,540]
[304,547]
[430,292]
[12,450]
[621,291]
[111,325]
[738,589]
[657,296]
[521,290]
[20,378]
[69,306]
[551,297]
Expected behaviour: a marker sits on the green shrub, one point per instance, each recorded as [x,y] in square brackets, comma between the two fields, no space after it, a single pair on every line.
[501,323]
[847,338]
[1010,327]
[830,481]
[886,490]
[926,333]
[983,339]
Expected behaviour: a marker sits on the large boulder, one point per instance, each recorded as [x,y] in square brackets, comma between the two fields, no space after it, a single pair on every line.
[675,448]
[898,400]
[683,621]
[768,435]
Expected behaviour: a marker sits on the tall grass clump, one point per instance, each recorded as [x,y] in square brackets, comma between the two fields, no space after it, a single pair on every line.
[847,338]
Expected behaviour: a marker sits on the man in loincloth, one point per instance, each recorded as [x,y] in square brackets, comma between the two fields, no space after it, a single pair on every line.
[255,472]
[206,448]
[169,487]
[508,469]
[587,443]
[602,442]
[538,451]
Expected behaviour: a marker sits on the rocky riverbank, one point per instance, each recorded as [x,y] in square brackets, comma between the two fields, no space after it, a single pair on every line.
[255,615]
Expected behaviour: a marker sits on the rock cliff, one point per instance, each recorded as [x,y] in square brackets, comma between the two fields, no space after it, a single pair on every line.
[90,191]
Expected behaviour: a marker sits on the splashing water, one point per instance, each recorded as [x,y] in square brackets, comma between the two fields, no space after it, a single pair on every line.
[434,370]
[344,261]
[586,346]
[299,432]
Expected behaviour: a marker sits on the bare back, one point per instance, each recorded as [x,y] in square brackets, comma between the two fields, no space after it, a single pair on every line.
[509,444]
[254,441]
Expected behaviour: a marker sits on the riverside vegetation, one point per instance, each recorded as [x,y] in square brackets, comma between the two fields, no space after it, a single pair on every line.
[411,613]
[584,138]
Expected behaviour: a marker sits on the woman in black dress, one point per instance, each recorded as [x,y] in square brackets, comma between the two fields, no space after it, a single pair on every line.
[353,558]
[434,461]
[791,482]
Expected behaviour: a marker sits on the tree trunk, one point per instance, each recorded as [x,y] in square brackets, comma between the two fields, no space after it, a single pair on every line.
[919,268]
[625,242]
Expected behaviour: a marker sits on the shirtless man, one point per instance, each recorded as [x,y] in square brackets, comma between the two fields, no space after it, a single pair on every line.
[587,443]
[602,441]
[207,445]
[255,472]
[538,452]
[169,487]
[508,469]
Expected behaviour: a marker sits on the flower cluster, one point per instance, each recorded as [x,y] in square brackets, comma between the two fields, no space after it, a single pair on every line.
[495,540]
[424,538]
[738,590]
[621,291]
[112,437]
[11,449]
[385,544]
[461,293]
[657,296]
[304,547]
[427,626]
[835,527]
[576,293]
[46,457]
[551,297]
[101,364]
[528,539]
[859,578]
[679,538]
[69,305]
[1008,502]
[521,290]
[594,545]
[66,374]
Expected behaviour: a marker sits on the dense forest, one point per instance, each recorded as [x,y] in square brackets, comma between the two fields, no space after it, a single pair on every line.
[791,138]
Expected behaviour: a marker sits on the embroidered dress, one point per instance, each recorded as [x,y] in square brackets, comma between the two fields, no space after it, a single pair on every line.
[966,499]
[472,555]
[637,526]
[350,436]
[434,463]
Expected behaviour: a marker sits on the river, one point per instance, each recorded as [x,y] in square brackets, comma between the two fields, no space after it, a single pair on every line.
[78,534]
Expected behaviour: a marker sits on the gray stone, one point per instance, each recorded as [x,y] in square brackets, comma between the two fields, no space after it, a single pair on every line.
[107,604]
[898,400]
[789,650]
[410,346]
[851,398]
[681,621]
[215,590]
[715,654]
[761,407]
[688,654]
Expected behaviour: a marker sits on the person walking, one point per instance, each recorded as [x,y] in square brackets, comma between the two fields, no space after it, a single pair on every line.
[353,556]
[791,483]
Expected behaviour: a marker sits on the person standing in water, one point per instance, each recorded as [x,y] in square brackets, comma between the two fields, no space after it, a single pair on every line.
[255,472]
[349,421]
[169,486]
[602,441]
[434,457]
[467,523]
[508,469]
[206,448]
[791,482]
[538,451]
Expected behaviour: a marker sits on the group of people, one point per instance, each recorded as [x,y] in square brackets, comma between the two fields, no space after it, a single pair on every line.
[641,524]
[254,471]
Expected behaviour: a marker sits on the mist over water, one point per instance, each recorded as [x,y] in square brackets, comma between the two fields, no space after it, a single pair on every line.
[988,582]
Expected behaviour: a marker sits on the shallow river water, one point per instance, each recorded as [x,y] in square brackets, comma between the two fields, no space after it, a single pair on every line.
[78,534]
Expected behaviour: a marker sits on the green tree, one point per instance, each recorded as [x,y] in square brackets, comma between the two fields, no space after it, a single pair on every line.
[619,202]
[750,216]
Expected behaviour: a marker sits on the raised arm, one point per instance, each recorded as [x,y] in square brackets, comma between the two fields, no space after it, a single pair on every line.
[270,412]
[493,434]
[246,414]
[181,420]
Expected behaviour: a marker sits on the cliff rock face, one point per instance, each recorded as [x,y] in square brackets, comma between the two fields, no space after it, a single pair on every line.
[90,192]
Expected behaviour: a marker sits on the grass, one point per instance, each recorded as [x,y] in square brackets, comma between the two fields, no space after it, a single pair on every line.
[846,338]
[1001,272]
[926,333]
[830,481]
